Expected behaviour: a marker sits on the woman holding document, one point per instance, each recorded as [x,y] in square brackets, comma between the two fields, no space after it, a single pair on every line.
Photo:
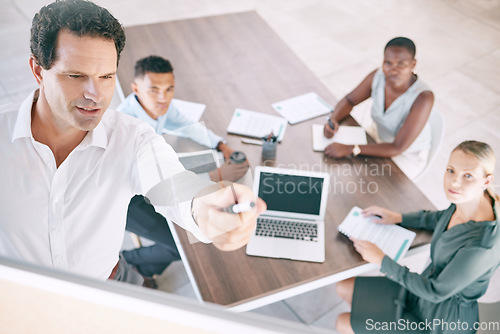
[402,104]
[465,253]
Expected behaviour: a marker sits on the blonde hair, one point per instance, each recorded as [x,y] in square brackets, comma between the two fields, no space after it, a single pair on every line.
[484,153]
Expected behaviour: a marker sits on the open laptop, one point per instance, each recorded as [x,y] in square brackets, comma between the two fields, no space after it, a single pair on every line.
[293,226]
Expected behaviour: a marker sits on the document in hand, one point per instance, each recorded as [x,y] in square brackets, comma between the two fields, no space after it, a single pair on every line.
[302,107]
[190,110]
[348,135]
[393,240]
[256,124]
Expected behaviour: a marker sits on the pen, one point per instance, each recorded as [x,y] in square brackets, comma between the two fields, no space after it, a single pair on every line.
[331,123]
[239,208]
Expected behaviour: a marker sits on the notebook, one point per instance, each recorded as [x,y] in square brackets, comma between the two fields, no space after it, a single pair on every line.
[302,107]
[256,124]
[190,110]
[393,240]
[201,161]
[293,226]
[348,135]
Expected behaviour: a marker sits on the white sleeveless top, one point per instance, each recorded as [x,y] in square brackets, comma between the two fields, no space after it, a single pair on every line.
[390,121]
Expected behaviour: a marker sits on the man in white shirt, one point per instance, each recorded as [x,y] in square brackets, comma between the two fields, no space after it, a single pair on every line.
[151,101]
[71,166]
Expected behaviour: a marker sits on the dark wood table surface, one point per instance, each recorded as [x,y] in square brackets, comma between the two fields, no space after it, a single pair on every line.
[238,61]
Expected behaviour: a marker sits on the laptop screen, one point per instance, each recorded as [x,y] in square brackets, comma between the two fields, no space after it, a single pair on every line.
[291,193]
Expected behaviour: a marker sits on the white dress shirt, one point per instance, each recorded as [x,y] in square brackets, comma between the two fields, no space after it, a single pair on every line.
[72,217]
[173,121]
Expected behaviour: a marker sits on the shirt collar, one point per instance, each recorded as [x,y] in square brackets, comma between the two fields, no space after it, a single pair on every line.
[22,127]
[96,137]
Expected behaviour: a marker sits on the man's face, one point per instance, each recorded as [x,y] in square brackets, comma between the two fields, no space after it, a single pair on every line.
[79,86]
[155,92]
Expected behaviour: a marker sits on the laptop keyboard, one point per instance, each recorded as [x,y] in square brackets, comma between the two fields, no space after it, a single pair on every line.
[288,229]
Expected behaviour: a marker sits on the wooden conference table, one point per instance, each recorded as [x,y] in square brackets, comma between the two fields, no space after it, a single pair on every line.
[237,61]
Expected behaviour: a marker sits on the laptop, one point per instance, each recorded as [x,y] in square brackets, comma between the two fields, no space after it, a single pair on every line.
[293,226]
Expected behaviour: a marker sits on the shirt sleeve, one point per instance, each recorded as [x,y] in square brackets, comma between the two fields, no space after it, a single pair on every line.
[449,282]
[167,185]
[426,220]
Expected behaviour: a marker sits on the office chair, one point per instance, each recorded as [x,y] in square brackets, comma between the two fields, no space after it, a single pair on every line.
[436,122]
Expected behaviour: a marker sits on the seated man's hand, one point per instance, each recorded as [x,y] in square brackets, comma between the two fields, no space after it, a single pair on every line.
[328,131]
[337,150]
[227,231]
[229,171]
[226,150]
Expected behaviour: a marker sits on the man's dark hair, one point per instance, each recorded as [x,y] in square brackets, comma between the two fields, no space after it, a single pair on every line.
[404,43]
[154,64]
[82,18]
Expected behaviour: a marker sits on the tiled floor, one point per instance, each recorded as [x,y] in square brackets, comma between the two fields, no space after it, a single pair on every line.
[458,52]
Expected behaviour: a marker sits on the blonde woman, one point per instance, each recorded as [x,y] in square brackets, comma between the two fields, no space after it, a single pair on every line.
[465,253]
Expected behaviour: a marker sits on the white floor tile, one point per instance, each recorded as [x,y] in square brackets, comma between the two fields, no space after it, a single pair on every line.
[278,310]
[328,320]
[311,305]
[174,278]
[186,291]
[467,99]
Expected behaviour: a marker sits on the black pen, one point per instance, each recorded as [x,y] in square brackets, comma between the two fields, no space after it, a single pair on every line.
[331,123]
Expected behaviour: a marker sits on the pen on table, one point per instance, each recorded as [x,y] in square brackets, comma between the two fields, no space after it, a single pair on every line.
[252,141]
[239,207]
[279,133]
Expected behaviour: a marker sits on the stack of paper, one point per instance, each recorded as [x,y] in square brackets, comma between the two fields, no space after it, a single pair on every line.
[348,135]
[302,107]
[190,110]
[393,240]
[255,124]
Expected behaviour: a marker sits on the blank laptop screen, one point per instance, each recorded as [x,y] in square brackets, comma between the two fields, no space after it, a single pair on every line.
[291,193]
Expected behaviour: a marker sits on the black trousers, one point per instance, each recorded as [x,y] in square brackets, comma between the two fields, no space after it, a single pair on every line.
[143,220]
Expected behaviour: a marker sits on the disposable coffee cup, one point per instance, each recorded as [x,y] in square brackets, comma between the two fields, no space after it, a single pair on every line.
[238,157]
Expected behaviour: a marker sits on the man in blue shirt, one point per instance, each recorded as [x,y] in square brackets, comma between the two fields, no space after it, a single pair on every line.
[153,90]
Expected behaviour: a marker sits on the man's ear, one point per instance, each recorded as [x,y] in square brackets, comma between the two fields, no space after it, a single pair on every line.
[134,87]
[36,70]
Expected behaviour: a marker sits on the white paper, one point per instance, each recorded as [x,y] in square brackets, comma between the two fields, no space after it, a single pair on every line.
[348,135]
[393,240]
[256,124]
[201,161]
[302,107]
[190,110]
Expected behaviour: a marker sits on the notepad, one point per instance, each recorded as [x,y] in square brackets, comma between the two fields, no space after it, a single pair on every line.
[393,240]
[348,135]
[256,124]
[302,107]
[191,110]
[201,161]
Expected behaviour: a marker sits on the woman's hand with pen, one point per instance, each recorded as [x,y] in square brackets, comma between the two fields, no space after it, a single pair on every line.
[331,127]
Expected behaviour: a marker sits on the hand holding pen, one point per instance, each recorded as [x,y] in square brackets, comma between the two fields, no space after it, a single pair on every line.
[227,216]
[330,128]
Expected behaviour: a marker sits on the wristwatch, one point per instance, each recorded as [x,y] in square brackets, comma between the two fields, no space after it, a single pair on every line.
[356,151]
